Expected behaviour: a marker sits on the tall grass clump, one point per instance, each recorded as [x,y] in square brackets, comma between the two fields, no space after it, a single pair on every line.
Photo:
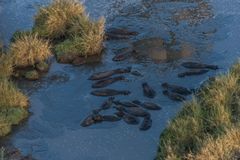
[54,20]
[85,37]
[215,109]
[29,49]
[226,147]
[6,66]
[13,106]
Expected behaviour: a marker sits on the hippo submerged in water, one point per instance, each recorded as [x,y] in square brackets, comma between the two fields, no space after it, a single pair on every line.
[174,96]
[106,74]
[177,89]
[147,105]
[129,119]
[148,91]
[107,82]
[193,72]
[195,65]
[146,124]
[110,92]
[107,104]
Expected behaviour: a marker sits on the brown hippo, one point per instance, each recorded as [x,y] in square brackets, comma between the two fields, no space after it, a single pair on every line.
[130,119]
[110,118]
[136,73]
[193,72]
[126,104]
[88,121]
[107,104]
[196,65]
[120,114]
[106,82]
[110,92]
[146,124]
[148,91]
[136,111]
[174,96]
[148,105]
[106,74]
[177,89]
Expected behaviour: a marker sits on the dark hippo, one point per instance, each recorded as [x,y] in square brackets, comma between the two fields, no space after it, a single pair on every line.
[146,124]
[174,96]
[88,121]
[130,119]
[121,31]
[110,92]
[120,114]
[121,57]
[177,89]
[110,118]
[148,91]
[193,72]
[148,105]
[106,74]
[136,111]
[195,65]
[107,82]
[126,104]
[120,108]
[97,118]
[136,73]
[107,104]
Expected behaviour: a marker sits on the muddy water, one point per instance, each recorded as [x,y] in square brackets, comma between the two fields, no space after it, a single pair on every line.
[204,31]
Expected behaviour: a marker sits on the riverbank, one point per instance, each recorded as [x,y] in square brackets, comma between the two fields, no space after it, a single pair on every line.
[208,126]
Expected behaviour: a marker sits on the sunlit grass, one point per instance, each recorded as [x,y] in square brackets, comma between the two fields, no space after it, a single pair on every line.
[86,37]
[215,109]
[27,50]
[226,147]
[6,66]
[13,106]
[54,20]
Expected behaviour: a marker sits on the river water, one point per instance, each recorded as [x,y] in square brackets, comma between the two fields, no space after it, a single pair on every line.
[196,30]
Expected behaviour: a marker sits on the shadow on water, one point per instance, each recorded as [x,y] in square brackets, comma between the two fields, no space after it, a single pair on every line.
[170,32]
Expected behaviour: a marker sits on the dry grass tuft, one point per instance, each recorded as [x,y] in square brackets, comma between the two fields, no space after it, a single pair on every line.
[10,95]
[28,50]
[54,20]
[6,68]
[86,37]
[215,109]
[226,147]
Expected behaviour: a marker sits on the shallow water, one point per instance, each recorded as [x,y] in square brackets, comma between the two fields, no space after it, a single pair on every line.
[209,29]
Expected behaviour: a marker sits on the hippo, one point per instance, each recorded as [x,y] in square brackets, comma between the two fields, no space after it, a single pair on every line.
[136,73]
[136,111]
[121,57]
[120,114]
[109,92]
[110,118]
[106,74]
[97,118]
[174,96]
[146,124]
[148,105]
[130,119]
[88,121]
[177,89]
[120,108]
[125,104]
[193,72]
[196,65]
[96,111]
[107,104]
[120,31]
[148,91]
[107,82]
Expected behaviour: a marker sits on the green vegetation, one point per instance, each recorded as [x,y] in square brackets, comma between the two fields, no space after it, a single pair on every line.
[86,38]
[54,20]
[13,106]
[205,120]
[29,49]
[72,31]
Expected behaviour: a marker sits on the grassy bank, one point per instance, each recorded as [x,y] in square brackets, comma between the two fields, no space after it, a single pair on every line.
[207,124]
[13,103]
